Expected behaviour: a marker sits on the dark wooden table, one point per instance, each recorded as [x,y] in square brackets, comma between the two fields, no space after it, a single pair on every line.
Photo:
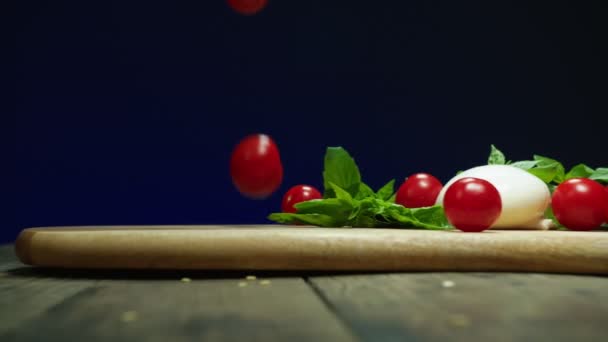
[54,305]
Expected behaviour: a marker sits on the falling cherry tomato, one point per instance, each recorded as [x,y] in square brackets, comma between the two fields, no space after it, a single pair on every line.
[247,7]
[255,166]
[297,194]
[472,204]
[579,204]
[418,190]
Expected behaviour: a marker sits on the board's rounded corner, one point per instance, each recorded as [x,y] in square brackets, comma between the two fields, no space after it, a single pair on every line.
[23,246]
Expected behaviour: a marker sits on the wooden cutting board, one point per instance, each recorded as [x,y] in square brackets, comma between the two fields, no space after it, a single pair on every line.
[274,247]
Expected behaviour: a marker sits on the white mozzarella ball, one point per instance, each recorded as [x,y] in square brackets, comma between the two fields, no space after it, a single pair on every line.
[525,198]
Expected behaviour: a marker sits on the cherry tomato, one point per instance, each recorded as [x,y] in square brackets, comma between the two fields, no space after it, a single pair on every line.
[579,203]
[247,7]
[297,194]
[418,190]
[472,204]
[255,166]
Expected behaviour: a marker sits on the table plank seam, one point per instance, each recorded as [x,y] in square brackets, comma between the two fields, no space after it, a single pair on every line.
[331,308]
[14,331]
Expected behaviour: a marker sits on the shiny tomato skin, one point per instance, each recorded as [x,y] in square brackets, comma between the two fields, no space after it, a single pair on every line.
[255,166]
[418,190]
[579,204]
[472,204]
[247,7]
[297,194]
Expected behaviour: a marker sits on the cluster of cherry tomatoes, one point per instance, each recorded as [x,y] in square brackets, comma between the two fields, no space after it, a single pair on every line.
[470,204]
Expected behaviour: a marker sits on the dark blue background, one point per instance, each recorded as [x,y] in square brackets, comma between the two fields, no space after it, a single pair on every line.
[127,111]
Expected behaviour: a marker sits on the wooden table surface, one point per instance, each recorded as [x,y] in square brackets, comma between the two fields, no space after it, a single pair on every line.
[54,305]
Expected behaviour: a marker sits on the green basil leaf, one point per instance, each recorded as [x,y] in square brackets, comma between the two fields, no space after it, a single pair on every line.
[545,162]
[547,174]
[353,214]
[579,171]
[334,207]
[368,211]
[398,216]
[600,174]
[340,168]
[364,191]
[404,218]
[341,194]
[525,164]
[496,156]
[386,191]
[371,206]
[434,215]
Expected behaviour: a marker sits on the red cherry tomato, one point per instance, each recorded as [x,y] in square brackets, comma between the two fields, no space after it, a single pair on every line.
[255,166]
[247,7]
[579,203]
[418,190]
[472,204]
[297,194]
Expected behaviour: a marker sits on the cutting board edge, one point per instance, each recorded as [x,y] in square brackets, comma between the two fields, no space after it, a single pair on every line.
[23,245]
[28,250]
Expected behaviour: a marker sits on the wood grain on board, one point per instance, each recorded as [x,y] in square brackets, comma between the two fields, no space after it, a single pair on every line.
[305,248]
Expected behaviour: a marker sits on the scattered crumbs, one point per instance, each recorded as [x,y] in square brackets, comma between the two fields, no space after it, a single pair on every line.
[242,284]
[251,277]
[459,320]
[186,280]
[447,283]
[265,282]
[129,316]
